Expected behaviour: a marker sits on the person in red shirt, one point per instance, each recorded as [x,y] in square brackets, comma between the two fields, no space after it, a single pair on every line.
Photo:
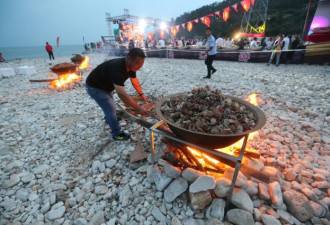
[2,59]
[49,49]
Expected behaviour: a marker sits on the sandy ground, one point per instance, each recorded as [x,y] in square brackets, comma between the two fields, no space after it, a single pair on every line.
[49,134]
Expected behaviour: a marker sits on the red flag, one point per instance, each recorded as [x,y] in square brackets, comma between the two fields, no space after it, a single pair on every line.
[218,14]
[207,21]
[190,26]
[58,41]
[162,34]
[210,15]
[245,4]
[235,7]
[196,20]
[202,19]
[225,14]
[183,26]
[150,36]
[177,28]
[252,2]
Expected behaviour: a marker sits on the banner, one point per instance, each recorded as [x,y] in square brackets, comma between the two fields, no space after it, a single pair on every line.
[225,14]
[235,7]
[218,14]
[190,26]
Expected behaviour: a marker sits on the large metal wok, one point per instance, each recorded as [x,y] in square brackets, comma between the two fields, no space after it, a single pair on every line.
[211,140]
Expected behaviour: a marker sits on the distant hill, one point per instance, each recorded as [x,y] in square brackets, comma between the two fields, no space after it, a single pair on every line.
[284,17]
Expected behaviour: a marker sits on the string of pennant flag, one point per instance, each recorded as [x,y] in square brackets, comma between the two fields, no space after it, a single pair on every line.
[221,14]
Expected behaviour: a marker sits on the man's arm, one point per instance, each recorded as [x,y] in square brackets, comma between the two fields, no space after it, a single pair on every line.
[121,92]
[136,84]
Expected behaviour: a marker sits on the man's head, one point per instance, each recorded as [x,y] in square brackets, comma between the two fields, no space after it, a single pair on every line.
[208,31]
[46,43]
[135,59]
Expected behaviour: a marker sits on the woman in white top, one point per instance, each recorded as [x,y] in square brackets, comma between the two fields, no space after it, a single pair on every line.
[269,43]
[228,43]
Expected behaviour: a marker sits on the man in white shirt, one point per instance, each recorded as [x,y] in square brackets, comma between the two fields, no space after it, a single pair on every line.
[219,42]
[228,43]
[199,43]
[211,52]
[286,43]
[161,43]
[254,43]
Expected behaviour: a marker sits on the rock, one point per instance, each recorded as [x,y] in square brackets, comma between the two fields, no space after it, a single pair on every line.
[110,163]
[290,174]
[55,214]
[200,200]
[257,214]
[213,221]
[158,214]
[22,195]
[321,184]
[298,205]
[40,169]
[171,171]
[275,194]
[318,209]
[263,191]
[241,179]
[202,183]
[176,188]
[285,216]
[97,219]
[100,190]
[28,177]
[175,221]
[253,163]
[239,217]
[310,194]
[80,221]
[14,179]
[161,180]
[191,175]
[151,173]
[222,187]
[216,209]
[242,200]
[190,221]
[98,166]
[251,188]
[269,220]
[45,207]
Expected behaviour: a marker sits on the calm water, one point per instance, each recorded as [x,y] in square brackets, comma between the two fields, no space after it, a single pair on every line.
[12,53]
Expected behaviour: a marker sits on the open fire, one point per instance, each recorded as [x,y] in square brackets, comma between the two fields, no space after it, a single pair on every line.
[65,80]
[85,63]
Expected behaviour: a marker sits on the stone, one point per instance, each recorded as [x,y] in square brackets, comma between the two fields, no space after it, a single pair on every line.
[319,210]
[321,184]
[285,216]
[310,194]
[100,190]
[263,191]
[98,166]
[253,163]
[257,214]
[40,169]
[222,187]
[216,209]
[14,179]
[80,221]
[191,175]
[175,221]
[200,200]
[239,217]
[22,195]
[26,70]
[171,171]
[202,183]
[97,219]
[176,188]
[55,214]
[269,220]
[158,214]
[290,174]
[161,180]
[275,193]
[242,200]
[190,221]
[251,188]
[213,221]
[298,205]
[28,177]
[241,179]
[110,163]
[7,72]
[151,173]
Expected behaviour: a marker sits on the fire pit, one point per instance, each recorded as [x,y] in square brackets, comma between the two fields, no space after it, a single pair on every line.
[63,68]
[212,140]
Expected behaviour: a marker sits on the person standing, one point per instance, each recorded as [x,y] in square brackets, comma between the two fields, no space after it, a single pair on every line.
[2,59]
[286,43]
[49,49]
[211,52]
[254,43]
[278,44]
[219,42]
[110,76]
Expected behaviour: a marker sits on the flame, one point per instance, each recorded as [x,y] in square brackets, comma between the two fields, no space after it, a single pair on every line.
[85,63]
[254,99]
[65,79]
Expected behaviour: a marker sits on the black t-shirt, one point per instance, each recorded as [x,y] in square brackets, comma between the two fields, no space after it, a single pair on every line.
[111,72]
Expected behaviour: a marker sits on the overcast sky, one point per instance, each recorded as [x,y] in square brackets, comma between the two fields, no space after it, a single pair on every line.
[33,22]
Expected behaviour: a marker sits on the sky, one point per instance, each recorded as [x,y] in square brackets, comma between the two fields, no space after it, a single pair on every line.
[33,22]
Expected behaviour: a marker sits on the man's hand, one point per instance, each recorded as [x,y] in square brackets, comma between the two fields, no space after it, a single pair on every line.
[144,98]
[203,54]
[142,111]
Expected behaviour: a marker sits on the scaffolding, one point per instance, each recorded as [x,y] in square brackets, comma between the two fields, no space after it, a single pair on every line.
[254,20]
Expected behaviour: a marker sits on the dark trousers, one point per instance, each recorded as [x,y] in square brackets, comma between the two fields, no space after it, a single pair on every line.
[208,61]
[51,55]
[284,57]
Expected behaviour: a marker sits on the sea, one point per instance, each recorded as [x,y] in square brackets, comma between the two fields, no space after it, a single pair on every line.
[35,52]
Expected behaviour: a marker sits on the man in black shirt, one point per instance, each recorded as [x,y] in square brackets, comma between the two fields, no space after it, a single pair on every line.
[111,75]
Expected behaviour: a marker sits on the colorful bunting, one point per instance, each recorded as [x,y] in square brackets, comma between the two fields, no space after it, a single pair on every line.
[210,15]
[190,26]
[196,20]
[202,19]
[252,2]
[225,14]
[177,27]
[150,36]
[162,34]
[207,21]
[183,26]
[235,7]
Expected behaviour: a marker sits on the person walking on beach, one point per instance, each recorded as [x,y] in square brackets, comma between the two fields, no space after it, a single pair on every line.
[2,59]
[49,49]
[278,44]
[110,76]
[211,52]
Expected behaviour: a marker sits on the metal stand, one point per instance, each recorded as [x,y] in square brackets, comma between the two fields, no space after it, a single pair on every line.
[237,160]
